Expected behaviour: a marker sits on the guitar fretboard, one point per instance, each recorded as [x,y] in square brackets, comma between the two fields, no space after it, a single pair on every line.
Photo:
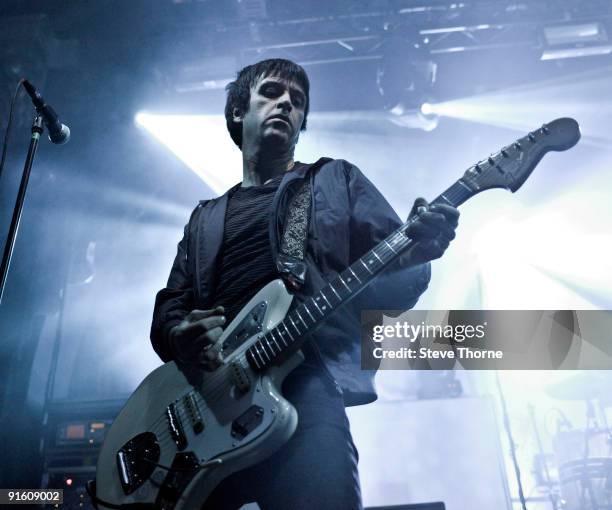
[289,333]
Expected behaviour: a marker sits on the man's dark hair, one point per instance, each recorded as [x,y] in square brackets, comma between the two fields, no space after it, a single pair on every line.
[239,91]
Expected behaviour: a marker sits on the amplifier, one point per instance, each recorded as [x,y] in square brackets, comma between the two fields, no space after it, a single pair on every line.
[73,484]
[74,432]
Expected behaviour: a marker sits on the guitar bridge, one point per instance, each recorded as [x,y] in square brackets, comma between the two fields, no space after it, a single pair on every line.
[136,461]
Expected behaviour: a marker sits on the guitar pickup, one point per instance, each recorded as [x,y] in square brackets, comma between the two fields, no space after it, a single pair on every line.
[247,422]
[240,377]
[176,427]
[193,410]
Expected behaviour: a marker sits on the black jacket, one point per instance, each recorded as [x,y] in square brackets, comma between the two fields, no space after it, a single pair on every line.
[349,216]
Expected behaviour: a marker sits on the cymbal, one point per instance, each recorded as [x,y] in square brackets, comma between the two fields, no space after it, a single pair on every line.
[585,385]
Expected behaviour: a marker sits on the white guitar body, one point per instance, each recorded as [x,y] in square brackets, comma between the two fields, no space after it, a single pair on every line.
[213,431]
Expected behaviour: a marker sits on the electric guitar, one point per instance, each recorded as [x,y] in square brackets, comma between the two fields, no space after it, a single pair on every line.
[185,429]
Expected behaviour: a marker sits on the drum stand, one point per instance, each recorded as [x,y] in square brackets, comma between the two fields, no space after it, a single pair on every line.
[585,480]
[554,497]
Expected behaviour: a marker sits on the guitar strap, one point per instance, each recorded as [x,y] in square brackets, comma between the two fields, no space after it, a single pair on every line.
[290,263]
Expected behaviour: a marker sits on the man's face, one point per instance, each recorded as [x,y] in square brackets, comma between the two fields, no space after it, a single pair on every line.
[275,115]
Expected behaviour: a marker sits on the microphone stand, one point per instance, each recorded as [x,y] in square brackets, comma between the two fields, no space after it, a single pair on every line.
[37,130]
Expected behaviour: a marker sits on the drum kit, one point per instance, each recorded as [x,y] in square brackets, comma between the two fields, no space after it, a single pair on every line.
[583,457]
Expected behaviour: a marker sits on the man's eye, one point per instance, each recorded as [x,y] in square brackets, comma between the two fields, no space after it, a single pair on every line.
[270,90]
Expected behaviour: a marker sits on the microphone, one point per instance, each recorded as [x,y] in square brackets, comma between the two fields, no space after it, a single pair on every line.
[58,132]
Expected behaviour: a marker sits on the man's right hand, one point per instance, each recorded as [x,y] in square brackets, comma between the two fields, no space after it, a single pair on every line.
[195,340]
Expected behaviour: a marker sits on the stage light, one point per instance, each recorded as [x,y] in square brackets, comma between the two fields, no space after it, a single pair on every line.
[201,142]
[406,73]
[405,83]
[423,117]
[405,78]
[583,96]
[427,109]
[575,40]
[585,33]
[414,119]
[525,261]
[589,51]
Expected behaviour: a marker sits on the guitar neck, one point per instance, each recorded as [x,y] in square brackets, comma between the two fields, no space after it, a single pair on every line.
[289,334]
[508,168]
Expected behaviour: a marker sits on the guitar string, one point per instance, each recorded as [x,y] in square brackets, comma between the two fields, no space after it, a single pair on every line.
[162,431]
[213,393]
[165,439]
[397,244]
[216,381]
[164,434]
[215,385]
[396,239]
[183,413]
[454,195]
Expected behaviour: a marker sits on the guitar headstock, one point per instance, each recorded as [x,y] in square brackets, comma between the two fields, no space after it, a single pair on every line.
[511,166]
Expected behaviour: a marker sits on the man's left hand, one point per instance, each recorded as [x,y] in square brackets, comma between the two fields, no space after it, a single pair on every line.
[432,230]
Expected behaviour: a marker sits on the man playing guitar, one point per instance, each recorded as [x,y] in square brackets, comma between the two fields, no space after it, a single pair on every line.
[237,238]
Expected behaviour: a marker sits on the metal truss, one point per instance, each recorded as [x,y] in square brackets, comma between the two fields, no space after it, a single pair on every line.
[437,27]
